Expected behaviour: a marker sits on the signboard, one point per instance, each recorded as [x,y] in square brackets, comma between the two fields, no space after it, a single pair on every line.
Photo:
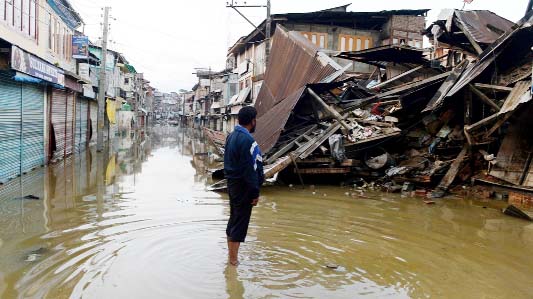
[83,72]
[67,14]
[34,66]
[80,47]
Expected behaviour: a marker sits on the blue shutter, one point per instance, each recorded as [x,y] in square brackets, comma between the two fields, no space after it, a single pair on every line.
[32,127]
[10,128]
[82,107]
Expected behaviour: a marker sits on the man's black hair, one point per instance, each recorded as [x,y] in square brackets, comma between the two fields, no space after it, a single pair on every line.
[246,115]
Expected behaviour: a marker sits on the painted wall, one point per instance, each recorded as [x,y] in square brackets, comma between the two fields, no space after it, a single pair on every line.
[40,46]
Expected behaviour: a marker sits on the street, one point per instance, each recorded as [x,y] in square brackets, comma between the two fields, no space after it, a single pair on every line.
[152,231]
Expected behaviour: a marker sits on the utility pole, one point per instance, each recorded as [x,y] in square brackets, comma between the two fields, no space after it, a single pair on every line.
[268,30]
[529,6]
[233,4]
[102,84]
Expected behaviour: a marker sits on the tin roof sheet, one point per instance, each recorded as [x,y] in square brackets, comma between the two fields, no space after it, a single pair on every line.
[294,63]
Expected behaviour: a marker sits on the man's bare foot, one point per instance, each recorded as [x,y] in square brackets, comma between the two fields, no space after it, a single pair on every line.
[234,263]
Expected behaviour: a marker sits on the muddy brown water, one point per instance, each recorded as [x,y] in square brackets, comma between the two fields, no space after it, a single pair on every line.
[140,224]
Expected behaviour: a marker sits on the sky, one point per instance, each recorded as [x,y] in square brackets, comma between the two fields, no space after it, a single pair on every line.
[167,39]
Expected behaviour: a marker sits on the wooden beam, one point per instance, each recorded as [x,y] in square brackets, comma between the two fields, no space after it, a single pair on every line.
[448,84]
[375,123]
[397,77]
[332,111]
[470,38]
[484,97]
[482,123]
[448,179]
[289,146]
[395,91]
[415,84]
[497,125]
[375,138]
[493,87]
[312,145]
[297,171]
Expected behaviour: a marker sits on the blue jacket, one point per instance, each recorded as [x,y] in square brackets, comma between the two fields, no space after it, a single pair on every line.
[243,161]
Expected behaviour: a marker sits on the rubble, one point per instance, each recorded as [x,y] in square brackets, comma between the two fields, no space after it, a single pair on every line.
[415,122]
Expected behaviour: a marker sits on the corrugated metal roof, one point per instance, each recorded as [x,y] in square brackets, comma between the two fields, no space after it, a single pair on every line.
[294,63]
[494,50]
[483,25]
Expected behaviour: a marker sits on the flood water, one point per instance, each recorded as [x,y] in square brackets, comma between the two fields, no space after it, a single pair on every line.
[140,224]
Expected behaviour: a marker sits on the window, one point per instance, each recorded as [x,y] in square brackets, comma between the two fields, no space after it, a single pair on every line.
[317,38]
[25,15]
[8,12]
[33,19]
[17,11]
[50,31]
[322,41]
[354,43]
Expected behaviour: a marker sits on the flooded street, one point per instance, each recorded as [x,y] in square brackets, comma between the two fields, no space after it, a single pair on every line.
[140,224]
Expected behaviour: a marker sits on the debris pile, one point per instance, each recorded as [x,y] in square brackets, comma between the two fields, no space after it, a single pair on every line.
[428,119]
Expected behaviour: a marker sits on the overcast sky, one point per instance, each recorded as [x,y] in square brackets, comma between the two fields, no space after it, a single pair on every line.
[167,39]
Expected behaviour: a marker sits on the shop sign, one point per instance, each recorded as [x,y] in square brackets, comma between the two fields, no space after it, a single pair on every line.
[34,66]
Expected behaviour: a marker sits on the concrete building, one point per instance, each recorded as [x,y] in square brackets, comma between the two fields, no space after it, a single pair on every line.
[333,30]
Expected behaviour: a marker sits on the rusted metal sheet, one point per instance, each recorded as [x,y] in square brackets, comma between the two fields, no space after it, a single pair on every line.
[391,53]
[513,163]
[520,35]
[519,95]
[483,25]
[438,98]
[271,124]
[294,63]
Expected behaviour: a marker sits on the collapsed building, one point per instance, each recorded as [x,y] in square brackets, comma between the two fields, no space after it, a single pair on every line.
[419,120]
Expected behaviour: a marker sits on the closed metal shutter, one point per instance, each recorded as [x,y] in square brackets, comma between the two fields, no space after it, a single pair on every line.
[10,128]
[32,127]
[82,107]
[59,115]
[70,124]
[93,107]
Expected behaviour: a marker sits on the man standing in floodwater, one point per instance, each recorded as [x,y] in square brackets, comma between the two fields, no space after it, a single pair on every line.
[243,167]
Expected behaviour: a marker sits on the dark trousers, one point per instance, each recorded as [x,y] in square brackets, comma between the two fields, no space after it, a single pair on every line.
[240,210]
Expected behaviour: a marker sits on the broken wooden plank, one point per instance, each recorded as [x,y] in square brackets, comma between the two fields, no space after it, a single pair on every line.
[312,145]
[375,138]
[397,77]
[493,87]
[438,98]
[484,122]
[297,171]
[411,85]
[470,38]
[375,123]
[279,165]
[497,125]
[395,91]
[289,146]
[484,98]
[448,179]
[332,111]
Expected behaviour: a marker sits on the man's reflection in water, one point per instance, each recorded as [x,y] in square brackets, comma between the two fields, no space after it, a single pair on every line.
[234,287]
